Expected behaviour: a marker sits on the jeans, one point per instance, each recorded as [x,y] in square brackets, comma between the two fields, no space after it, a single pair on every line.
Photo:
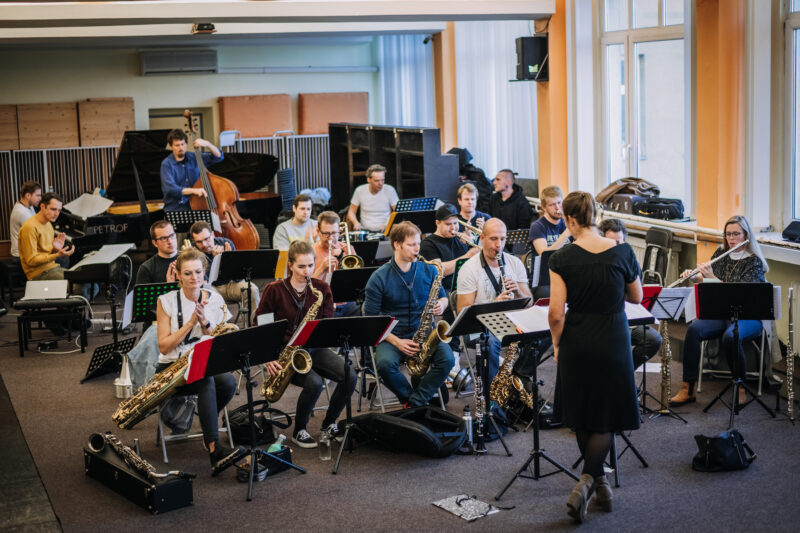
[645,342]
[701,330]
[325,364]
[213,394]
[388,360]
[492,358]
[347,309]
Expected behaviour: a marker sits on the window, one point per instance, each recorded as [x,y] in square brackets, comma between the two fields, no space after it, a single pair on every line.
[793,102]
[643,100]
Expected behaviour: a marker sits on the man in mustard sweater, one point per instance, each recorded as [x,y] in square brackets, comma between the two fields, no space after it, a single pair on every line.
[38,248]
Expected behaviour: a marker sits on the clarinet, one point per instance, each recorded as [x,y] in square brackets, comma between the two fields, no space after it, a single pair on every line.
[480,406]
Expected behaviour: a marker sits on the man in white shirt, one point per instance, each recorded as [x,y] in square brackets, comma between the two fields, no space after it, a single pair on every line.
[30,194]
[478,280]
[376,200]
[299,227]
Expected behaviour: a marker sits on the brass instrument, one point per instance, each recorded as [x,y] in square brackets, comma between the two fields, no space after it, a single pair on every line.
[98,442]
[474,229]
[161,387]
[292,358]
[505,381]
[790,354]
[351,260]
[696,271]
[469,241]
[427,336]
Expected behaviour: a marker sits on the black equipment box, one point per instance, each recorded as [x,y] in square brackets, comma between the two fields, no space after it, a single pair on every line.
[273,466]
[165,495]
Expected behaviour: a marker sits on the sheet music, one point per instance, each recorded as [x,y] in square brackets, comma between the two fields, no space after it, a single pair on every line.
[127,310]
[534,319]
[457,321]
[670,302]
[213,272]
[215,222]
[107,254]
[388,330]
[537,266]
[88,205]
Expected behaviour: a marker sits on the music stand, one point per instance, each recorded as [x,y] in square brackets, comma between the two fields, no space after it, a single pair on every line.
[344,332]
[239,351]
[182,220]
[734,302]
[517,236]
[348,285]
[367,250]
[466,323]
[105,358]
[666,304]
[244,264]
[416,204]
[145,299]
[540,270]
[425,220]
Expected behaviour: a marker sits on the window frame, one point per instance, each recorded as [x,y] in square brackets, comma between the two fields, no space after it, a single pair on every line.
[792,157]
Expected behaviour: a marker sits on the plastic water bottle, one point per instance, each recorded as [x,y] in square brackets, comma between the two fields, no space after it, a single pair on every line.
[277,446]
[324,446]
[467,417]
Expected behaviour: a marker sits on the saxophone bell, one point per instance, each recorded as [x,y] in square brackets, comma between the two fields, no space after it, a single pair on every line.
[301,362]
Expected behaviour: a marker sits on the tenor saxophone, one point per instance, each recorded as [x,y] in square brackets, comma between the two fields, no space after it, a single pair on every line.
[427,336]
[136,408]
[292,358]
[505,381]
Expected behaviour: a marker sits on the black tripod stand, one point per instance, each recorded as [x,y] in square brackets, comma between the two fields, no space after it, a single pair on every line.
[734,302]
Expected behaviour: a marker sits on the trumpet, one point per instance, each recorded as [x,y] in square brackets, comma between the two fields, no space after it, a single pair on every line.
[469,240]
[477,231]
[696,271]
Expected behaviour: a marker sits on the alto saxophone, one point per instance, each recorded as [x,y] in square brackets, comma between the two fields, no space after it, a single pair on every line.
[161,387]
[426,336]
[505,381]
[292,358]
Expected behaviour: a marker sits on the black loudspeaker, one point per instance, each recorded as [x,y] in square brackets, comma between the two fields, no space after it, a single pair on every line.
[792,232]
[532,58]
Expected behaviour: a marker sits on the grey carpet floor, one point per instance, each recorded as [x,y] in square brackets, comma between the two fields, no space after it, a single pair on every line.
[378,490]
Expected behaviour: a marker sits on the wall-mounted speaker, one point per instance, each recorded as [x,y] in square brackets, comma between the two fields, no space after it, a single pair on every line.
[532,63]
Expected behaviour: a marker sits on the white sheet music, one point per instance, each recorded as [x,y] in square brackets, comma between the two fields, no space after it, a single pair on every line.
[213,272]
[107,254]
[88,205]
[534,319]
[127,310]
[670,302]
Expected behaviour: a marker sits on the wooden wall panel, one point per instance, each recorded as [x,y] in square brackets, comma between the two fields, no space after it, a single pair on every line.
[258,115]
[316,110]
[102,121]
[9,135]
[48,125]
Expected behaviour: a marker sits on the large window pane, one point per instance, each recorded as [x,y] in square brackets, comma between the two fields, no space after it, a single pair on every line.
[645,13]
[673,12]
[616,14]
[659,117]
[796,123]
[616,134]
[795,5]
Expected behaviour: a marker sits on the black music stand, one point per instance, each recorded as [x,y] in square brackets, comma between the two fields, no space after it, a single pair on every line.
[416,204]
[425,220]
[505,330]
[367,250]
[666,305]
[107,358]
[247,265]
[241,350]
[345,332]
[348,285]
[145,299]
[182,220]
[734,302]
[466,323]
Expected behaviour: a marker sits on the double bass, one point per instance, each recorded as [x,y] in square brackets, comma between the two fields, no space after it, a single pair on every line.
[221,198]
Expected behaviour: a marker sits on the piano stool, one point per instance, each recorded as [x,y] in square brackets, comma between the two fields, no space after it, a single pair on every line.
[66,309]
[11,277]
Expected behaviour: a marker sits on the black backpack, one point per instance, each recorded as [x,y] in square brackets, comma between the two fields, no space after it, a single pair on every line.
[661,208]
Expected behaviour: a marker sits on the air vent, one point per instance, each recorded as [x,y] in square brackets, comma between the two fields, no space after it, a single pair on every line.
[179,62]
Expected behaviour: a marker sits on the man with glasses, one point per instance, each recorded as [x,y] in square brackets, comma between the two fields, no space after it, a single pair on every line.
[233,291]
[161,267]
[328,251]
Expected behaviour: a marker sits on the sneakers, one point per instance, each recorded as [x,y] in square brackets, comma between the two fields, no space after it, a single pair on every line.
[222,457]
[333,432]
[304,440]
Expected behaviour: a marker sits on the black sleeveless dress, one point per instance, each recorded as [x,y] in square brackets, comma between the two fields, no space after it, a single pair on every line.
[595,387]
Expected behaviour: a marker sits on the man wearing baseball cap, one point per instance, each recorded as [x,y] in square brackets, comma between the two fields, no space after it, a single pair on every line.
[446,244]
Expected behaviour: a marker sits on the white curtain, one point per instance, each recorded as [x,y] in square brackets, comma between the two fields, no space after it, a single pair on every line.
[496,117]
[405,78]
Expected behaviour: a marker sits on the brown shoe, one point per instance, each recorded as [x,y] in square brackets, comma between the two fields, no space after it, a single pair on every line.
[579,498]
[684,396]
[603,496]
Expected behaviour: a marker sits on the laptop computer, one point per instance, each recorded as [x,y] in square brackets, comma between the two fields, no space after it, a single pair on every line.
[46,290]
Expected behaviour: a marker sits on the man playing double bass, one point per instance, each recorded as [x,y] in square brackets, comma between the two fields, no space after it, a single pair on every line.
[179,171]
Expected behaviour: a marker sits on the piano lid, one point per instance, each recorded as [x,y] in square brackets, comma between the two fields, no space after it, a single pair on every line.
[148,148]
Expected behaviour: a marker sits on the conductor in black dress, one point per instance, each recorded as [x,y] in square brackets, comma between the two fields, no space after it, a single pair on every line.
[595,389]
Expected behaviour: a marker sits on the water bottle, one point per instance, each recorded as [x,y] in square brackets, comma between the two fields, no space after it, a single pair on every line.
[324,446]
[467,417]
[277,446]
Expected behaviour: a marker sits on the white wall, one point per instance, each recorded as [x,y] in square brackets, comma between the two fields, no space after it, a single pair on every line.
[71,75]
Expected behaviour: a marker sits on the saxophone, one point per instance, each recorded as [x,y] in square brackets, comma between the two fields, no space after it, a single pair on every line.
[426,336]
[292,358]
[136,408]
[504,382]
[98,442]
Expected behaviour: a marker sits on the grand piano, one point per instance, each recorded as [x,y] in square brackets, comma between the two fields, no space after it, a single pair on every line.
[135,188]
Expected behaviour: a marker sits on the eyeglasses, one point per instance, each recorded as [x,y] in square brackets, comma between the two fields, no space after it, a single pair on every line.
[165,238]
[329,233]
[733,233]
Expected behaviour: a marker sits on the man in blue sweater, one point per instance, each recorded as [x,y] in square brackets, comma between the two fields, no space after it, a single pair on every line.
[400,288]
[179,171]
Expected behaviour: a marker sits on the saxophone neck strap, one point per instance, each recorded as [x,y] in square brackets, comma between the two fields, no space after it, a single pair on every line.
[489,274]
[180,311]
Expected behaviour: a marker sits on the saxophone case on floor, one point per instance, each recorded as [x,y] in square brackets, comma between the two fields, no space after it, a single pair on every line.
[427,431]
